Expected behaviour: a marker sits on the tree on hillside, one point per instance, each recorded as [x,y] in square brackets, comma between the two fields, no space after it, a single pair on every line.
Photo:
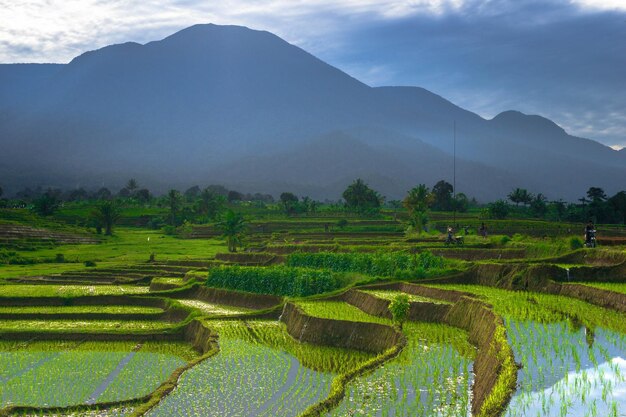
[596,194]
[520,195]
[498,210]
[106,214]
[143,195]
[417,202]
[361,198]
[460,203]
[47,203]
[233,227]
[538,205]
[132,185]
[289,203]
[174,201]
[192,193]
[102,194]
[442,196]
[210,204]
[234,196]
[618,203]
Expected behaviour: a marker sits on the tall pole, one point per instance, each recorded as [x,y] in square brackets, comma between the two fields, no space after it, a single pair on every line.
[454,176]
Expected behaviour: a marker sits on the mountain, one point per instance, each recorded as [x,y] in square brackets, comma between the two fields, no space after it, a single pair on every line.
[228,104]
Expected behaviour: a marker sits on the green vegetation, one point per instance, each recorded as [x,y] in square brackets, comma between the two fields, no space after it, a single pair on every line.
[399,308]
[338,310]
[68,373]
[233,366]
[430,377]
[276,280]
[106,309]
[391,295]
[395,264]
[68,290]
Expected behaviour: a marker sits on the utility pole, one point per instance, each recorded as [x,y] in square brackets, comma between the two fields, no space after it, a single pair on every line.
[454,176]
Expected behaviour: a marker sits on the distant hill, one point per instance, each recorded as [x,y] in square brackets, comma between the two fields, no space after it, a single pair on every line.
[229,104]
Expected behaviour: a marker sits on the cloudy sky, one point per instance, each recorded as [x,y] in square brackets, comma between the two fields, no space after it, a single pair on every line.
[563,59]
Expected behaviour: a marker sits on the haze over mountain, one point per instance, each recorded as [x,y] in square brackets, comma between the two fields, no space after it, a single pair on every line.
[231,105]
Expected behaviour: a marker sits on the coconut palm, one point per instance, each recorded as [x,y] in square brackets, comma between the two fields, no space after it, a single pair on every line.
[106,214]
[233,227]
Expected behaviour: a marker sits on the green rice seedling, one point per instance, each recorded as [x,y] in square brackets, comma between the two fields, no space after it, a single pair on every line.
[108,309]
[68,290]
[571,353]
[214,309]
[245,379]
[427,378]
[81,325]
[339,310]
[391,294]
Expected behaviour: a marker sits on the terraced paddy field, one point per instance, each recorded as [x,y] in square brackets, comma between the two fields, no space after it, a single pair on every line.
[174,325]
[55,374]
[572,353]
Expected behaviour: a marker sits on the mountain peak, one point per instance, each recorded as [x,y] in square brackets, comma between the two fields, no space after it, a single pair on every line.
[534,123]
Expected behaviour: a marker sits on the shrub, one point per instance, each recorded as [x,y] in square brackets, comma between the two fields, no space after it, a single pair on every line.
[59,258]
[575,243]
[277,280]
[90,264]
[399,308]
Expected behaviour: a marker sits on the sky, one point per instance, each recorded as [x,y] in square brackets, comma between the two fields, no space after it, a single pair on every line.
[562,59]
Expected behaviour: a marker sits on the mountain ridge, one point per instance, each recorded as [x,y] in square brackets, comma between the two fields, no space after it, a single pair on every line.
[212,96]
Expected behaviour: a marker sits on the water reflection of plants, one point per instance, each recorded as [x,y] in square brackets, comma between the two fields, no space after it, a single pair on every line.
[571,354]
[431,377]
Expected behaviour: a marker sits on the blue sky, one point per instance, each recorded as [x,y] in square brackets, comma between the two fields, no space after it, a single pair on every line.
[565,60]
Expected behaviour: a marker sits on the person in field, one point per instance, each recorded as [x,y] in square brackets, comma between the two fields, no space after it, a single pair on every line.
[590,231]
[483,230]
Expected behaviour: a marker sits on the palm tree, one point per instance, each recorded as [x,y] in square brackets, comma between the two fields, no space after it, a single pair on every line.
[106,214]
[417,202]
[233,226]
[173,201]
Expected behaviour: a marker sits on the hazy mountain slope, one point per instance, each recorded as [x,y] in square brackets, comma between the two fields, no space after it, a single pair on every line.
[209,97]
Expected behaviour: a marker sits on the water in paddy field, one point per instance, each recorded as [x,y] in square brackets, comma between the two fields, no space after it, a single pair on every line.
[567,371]
[428,380]
[245,379]
[72,377]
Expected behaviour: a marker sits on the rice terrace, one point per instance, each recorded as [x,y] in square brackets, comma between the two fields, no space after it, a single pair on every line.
[330,312]
[319,208]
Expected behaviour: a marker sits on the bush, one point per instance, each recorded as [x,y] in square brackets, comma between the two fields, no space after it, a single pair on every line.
[277,280]
[575,243]
[59,258]
[90,264]
[399,309]
[377,264]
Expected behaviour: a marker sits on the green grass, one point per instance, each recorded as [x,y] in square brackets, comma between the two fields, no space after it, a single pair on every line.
[338,310]
[104,309]
[391,294]
[214,309]
[610,286]
[131,246]
[69,290]
[545,308]
[31,326]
